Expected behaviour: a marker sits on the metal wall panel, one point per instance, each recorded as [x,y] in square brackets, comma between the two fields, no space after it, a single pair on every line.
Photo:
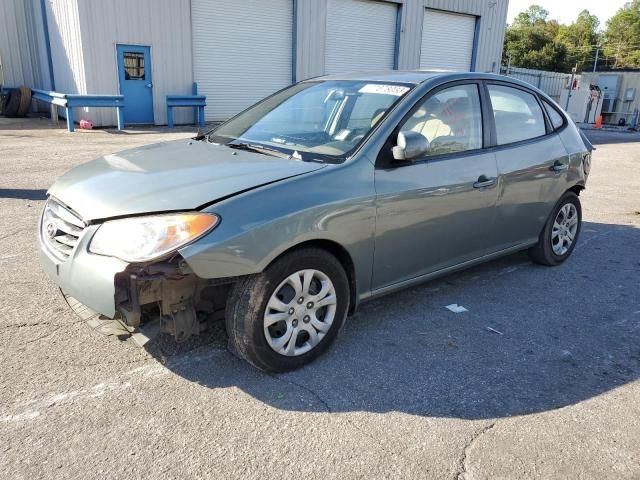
[22,49]
[164,25]
[411,34]
[311,38]
[360,35]
[312,17]
[493,21]
[447,41]
[66,46]
[242,52]
[551,83]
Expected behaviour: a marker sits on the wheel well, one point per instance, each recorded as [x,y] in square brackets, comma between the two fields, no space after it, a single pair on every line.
[343,257]
[576,189]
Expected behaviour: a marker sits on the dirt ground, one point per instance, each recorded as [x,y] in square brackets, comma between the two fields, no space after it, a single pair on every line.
[539,379]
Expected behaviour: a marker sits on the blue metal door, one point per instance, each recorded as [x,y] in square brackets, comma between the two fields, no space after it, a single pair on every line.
[134,74]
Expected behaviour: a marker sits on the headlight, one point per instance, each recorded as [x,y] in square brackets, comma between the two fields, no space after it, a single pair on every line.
[141,239]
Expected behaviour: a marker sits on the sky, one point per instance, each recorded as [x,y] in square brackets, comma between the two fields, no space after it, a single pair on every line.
[566,11]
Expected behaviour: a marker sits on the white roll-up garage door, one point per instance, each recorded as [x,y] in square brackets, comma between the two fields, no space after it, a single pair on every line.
[447,41]
[361,35]
[242,52]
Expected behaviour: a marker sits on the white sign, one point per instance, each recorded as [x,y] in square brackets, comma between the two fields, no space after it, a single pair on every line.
[395,90]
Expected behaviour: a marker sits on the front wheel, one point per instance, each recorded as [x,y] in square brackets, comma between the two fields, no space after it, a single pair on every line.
[560,233]
[287,316]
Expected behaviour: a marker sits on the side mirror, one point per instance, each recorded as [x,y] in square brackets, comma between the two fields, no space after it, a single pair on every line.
[410,145]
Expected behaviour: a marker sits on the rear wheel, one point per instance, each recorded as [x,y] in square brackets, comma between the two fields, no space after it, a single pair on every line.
[560,233]
[287,316]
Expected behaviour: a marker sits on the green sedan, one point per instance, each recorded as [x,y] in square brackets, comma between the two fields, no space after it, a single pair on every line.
[330,192]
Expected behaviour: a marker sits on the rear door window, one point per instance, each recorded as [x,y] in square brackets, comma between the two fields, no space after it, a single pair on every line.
[517,114]
[557,121]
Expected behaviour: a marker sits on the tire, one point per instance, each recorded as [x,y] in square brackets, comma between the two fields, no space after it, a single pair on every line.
[254,337]
[553,247]
[25,101]
[4,101]
[13,104]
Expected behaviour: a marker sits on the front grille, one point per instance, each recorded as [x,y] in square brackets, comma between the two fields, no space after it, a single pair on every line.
[60,229]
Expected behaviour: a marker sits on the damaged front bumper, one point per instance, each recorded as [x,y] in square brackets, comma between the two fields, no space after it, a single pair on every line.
[86,277]
[119,298]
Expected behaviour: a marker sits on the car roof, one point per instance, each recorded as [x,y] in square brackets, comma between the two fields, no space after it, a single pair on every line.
[398,76]
[415,76]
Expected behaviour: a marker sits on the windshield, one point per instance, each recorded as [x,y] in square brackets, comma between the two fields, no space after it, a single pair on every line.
[312,120]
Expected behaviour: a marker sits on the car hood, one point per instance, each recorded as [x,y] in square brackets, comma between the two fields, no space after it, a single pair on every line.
[169,176]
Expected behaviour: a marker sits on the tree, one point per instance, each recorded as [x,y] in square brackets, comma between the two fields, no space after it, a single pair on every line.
[622,36]
[531,42]
[534,15]
[580,38]
[535,41]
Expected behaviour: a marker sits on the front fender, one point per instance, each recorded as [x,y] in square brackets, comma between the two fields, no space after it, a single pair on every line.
[336,203]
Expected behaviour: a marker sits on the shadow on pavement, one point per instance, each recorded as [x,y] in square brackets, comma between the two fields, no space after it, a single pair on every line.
[607,137]
[23,194]
[534,339]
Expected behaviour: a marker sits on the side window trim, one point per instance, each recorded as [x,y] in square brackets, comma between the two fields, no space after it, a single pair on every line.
[383,163]
[547,120]
[545,107]
[491,136]
[548,127]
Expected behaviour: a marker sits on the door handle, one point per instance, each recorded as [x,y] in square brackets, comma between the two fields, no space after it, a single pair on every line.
[484,182]
[560,167]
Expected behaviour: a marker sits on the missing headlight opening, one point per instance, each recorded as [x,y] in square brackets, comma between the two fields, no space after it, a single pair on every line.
[168,297]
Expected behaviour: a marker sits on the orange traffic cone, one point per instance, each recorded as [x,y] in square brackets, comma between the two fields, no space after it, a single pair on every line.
[599,122]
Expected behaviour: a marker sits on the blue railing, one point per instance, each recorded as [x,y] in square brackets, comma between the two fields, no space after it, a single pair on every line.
[198,102]
[69,101]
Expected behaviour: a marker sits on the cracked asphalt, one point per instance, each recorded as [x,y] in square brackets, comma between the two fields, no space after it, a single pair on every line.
[538,379]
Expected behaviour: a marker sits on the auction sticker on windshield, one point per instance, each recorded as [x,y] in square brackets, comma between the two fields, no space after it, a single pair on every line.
[396,90]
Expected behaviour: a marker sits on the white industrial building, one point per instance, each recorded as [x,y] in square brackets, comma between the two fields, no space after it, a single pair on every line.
[619,95]
[237,51]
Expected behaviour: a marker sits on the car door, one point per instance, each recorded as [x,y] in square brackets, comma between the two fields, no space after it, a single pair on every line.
[532,163]
[437,210]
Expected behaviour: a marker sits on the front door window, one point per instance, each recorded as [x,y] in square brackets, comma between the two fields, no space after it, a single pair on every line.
[451,120]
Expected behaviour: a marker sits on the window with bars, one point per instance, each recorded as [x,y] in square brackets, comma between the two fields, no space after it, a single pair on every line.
[133,65]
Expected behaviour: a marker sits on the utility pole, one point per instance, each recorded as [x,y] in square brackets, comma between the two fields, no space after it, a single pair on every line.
[573,76]
[595,64]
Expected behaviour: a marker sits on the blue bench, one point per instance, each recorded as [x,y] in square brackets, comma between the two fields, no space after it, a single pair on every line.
[195,101]
[70,101]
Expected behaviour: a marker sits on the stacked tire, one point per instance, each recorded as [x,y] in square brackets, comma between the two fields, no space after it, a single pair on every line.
[17,103]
